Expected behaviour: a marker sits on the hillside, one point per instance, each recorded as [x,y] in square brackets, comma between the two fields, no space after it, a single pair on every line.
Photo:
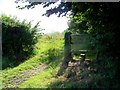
[49,53]
[41,70]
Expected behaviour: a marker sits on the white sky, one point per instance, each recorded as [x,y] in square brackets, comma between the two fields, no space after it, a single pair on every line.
[51,24]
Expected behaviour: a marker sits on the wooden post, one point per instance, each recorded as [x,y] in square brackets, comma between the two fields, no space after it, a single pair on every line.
[67,48]
[98,54]
[0,45]
[82,57]
[67,53]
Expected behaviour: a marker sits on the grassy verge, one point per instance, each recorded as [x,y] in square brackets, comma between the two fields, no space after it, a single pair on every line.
[40,70]
[41,80]
[49,53]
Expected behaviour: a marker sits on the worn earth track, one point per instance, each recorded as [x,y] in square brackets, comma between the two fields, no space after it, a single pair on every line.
[78,74]
[25,75]
[79,71]
[76,71]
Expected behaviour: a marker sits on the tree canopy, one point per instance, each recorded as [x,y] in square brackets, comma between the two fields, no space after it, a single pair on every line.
[100,20]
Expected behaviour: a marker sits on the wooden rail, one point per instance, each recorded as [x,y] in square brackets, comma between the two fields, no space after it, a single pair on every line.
[69,41]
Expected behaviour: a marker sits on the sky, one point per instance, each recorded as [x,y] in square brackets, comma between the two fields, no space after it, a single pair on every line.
[50,24]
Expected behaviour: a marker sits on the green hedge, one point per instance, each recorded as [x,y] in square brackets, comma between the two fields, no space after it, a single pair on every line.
[18,38]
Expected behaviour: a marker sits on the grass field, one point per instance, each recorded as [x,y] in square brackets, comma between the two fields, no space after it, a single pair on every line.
[43,65]
[40,71]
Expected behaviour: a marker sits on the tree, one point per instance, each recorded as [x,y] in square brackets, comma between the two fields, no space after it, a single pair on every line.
[18,38]
[100,20]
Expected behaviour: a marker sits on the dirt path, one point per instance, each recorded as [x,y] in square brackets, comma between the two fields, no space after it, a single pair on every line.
[26,75]
[79,72]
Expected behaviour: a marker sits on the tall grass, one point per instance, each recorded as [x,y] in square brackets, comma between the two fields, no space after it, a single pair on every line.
[49,51]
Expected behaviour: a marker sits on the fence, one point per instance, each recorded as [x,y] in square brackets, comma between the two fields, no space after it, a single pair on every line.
[75,43]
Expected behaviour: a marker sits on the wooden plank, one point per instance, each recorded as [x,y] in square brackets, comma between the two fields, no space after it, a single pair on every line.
[79,42]
[80,51]
[78,47]
[78,34]
[79,39]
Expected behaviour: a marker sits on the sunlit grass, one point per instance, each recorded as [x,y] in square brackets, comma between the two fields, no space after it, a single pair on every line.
[11,73]
[49,51]
[41,80]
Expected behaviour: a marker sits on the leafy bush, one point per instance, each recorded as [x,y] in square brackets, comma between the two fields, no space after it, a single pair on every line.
[18,38]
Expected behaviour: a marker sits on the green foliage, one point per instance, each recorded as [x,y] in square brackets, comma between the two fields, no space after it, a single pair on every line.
[51,46]
[95,20]
[49,54]
[104,78]
[101,22]
[18,38]
[6,62]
